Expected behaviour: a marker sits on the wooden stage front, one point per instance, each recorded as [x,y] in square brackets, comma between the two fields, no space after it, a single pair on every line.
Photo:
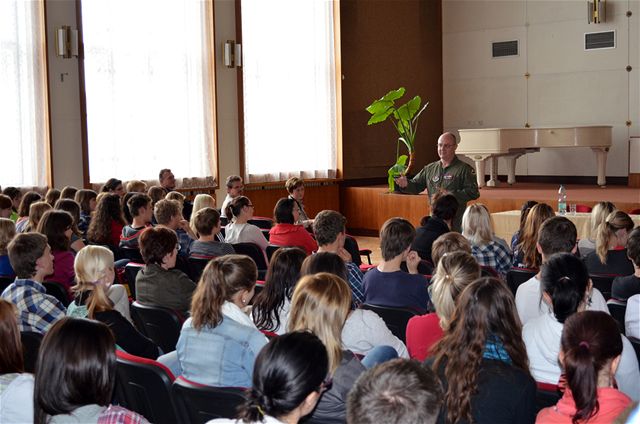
[367,208]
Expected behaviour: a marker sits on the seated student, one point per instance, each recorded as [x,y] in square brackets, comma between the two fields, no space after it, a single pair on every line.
[125,209]
[139,206]
[286,232]
[482,361]
[76,243]
[94,272]
[36,211]
[168,213]
[625,287]
[566,284]
[239,211]
[590,352]
[87,201]
[16,197]
[56,225]
[136,186]
[6,206]
[443,211]
[7,233]
[632,317]
[556,235]
[23,210]
[68,192]
[599,213]
[610,256]
[206,226]
[386,284]
[398,391]
[454,272]
[158,283]
[108,221]
[76,374]
[202,201]
[31,259]
[449,243]
[156,193]
[219,343]
[113,186]
[524,211]
[525,254]
[295,188]
[51,196]
[329,229]
[235,188]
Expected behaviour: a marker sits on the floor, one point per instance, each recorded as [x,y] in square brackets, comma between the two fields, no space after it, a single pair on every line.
[371,243]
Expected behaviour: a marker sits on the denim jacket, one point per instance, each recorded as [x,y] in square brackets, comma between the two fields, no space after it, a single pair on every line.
[220,356]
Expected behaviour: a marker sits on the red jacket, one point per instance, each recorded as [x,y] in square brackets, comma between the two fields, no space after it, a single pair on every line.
[423,332]
[612,402]
[292,235]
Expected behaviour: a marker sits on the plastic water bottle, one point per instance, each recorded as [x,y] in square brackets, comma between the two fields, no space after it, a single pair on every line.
[562,201]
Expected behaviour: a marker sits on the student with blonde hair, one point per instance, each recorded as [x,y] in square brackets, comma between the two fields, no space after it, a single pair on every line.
[610,256]
[599,213]
[7,233]
[136,186]
[488,249]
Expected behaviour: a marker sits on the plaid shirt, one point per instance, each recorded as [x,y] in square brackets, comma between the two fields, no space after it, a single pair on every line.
[493,254]
[37,311]
[355,281]
[119,415]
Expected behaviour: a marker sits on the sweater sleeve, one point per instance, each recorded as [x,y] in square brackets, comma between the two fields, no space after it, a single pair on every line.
[377,333]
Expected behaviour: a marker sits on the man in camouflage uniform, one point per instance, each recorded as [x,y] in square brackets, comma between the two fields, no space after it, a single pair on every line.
[448,175]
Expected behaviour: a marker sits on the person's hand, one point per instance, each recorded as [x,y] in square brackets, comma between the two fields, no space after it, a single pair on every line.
[413,260]
[401,181]
[184,225]
[344,254]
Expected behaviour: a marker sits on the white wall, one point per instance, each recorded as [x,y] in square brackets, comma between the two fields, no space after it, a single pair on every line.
[567,85]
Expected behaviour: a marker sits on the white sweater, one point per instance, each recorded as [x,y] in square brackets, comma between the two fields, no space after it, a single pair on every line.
[365,330]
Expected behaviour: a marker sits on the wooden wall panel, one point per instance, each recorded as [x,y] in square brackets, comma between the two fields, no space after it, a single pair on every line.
[316,198]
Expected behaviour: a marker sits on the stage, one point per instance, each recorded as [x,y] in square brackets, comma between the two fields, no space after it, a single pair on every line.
[368,207]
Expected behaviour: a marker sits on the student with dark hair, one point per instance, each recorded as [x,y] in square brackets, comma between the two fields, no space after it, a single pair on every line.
[23,210]
[566,288]
[139,205]
[113,186]
[524,212]
[525,254]
[625,287]
[286,233]
[16,197]
[482,361]
[51,196]
[610,256]
[107,223]
[71,206]
[125,209]
[57,226]
[36,211]
[87,201]
[75,375]
[235,188]
[168,213]
[443,212]
[206,225]
[324,262]
[590,353]
[31,259]
[68,192]
[6,206]
[7,233]
[398,391]
[271,307]
[289,377]
[159,283]
[239,211]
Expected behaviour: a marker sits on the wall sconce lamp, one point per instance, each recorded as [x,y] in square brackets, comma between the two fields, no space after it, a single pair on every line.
[596,11]
[66,42]
[232,54]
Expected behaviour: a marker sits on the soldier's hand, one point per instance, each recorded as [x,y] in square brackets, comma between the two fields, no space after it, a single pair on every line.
[401,181]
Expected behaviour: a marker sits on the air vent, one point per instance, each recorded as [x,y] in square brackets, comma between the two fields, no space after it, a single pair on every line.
[504,48]
[600,40]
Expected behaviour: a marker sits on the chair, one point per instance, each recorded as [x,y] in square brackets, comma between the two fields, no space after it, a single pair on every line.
[254,252]
[162,325]
[271,249]
[603,283]
[351,246]
[546,395]
[5,282]
[487,271]
[58,291]
[424,267]
[144,386]
[617,309]
[634,211]
[261,222]
[361,252]
[198,404]
[583,208]
[517,276]
[30,346]
[395,318]
[130,272]
[196,266]
[132,254]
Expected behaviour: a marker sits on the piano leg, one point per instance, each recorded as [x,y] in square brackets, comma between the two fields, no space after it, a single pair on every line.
[493,172]
[601,157]
[511,167]
[479,161]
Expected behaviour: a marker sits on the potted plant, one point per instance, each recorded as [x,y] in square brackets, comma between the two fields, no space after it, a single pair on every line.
[405,120]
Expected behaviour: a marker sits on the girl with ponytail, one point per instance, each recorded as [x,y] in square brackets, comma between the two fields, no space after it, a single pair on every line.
[219,343]
[590,353]
[610,256]
[239,211]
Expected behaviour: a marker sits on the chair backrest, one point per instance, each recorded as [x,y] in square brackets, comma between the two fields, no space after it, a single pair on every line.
[395,318]
[617,310]
[31,342]
[487,271]
[546,395]
[253,251]
[196,266]
[351,246]
[58,291]
[131,253]
[271,249]
[130,272]
[5,282]
[517,276]
[583,208]
[144,385]
[603,283]
[198,404]
[424,267]
[162,325]
[634,211]
[261,222]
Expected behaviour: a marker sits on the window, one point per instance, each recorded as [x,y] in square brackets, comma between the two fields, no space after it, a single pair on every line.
[289,89]
[149,86]
[24,120]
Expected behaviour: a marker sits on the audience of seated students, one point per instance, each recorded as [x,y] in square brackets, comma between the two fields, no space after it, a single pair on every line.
[632,317]
[295,188]
[136,186]
[107,222]
[524,211]
[482,361]
[489,250]
[16,386]
[610,256]
[272,306]
[95,298]
[219,343]
[168,213]
[68,192]
[590,353]
[525,254]
[206,225]
[627,286]
[75,376]
[56,225]
[443,211]
[238,212]
[235,188]
[330,232]
[36,211]
[51,196]
[566,284]
[124,201]
[113,186]
[599,213]
[398,391]
[387,284]
[286,233]
[16,198]
[23,210]
[455,271]
[289,376]
[321,304]
[449,243]
[139,206]
[158,283]
[87,201]
[556,235]
[69,205]
[7,233]
[31,259]
[6,206]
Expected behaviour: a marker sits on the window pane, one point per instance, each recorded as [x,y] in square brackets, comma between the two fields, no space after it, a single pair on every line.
[149,88]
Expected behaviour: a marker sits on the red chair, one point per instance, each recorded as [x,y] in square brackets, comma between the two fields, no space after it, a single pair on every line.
[583,208]
[634,211]
[546,395]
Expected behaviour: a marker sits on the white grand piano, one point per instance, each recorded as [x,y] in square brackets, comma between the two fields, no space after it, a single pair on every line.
[488,144]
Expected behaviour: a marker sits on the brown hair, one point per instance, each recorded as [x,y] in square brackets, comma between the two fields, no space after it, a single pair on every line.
[7,233]
[166,209]
[24,250]
[156,243]
[51,196]
[136,186]
[83,197]
[28,198]
[617,220]
[449,242]
[293,183]
[71,206]
[175,195]
[234,207]
[53,225]
[327,225]
[529,234]
[36,212]
[205,220]
[5,202]
[396,235]
[68,192]
[156,193]
[108,210]
[11,360]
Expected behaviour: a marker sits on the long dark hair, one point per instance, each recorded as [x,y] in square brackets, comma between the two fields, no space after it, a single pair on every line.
[565,278]
[283,211]
[53,225]
[286,371]
[485,308]
[11,360]
[324,262]
[110,185]
[107,211]
[529,234]
[73,208]
[234,207]
[282,275]
[28,198]
[76,367]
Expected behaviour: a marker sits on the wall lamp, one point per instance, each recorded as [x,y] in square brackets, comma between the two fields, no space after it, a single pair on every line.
[232,54]
[66,42]
[596,11]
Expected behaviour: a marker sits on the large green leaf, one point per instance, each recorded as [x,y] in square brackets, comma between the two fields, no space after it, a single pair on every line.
[394,94]
[380,117]
[407,110]
[379,106]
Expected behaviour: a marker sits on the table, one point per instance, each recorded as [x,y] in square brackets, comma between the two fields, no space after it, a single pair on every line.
[507,223]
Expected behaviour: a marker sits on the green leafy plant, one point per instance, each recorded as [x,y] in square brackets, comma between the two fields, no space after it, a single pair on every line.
[405,120]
